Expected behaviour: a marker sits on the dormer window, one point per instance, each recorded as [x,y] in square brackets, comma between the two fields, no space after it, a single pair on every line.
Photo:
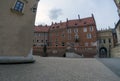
[19,6]
[85,22]
[75,23]
[57,26]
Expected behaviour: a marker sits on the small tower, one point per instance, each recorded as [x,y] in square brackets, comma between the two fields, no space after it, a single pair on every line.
[16,30]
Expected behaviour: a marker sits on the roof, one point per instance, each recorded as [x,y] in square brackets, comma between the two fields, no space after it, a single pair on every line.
[69,23]
[58,25]
[72,23]
[81,22]
[41,28]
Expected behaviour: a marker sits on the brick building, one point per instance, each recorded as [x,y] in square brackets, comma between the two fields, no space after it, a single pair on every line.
[81,33]
[41,35]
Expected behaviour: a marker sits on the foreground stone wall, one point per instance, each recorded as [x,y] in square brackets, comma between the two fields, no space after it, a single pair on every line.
[16,29]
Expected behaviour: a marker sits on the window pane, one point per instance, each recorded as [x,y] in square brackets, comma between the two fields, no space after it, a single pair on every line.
[85,29]
[19,6]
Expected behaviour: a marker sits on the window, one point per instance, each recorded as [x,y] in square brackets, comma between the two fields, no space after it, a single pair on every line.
[109,40]
[56,44]
[100,41]
[69,30]
[75,30]
[86,44]
[37,40]
[41,40]
[38,34]
[34,9]
[84,29]
[69,36]
[91,28]
[56,33]
[76,36]
[89,36]
[63,35]
[104,41]
[63,44]
[56,40]
[19,6]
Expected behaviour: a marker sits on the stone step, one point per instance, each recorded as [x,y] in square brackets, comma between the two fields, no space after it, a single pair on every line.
[72,55]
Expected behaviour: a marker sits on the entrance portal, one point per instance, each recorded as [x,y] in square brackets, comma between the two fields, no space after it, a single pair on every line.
[102,52]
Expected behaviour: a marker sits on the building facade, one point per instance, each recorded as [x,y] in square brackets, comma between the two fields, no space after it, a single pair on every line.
[117,2]
[117,28]
[106,42]
[116,49]
[16,24]
[80,33]
[41,35]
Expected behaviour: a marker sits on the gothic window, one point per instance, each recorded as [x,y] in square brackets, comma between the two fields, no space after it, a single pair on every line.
[19,6]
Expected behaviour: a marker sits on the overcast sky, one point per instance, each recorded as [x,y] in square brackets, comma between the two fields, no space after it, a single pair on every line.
[105,11]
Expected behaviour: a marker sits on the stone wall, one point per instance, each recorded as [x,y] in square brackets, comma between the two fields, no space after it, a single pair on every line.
[61,51]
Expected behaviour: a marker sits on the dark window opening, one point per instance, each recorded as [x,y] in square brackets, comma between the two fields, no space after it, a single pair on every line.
[104,41]
[63,44]
[34,9]
[37,40]
[109,40]
[85,22]
[41,40]
[75,23]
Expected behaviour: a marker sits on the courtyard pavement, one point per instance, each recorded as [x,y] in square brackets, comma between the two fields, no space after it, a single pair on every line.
[113,64]
[58,69]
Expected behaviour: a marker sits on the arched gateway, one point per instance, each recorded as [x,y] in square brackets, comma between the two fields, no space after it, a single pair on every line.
[16,30]
[102,52]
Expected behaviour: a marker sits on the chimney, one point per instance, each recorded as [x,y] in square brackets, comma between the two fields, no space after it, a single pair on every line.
[67,20]
[46,25]
[92,15]
[52,23]
[60,22]
[78,16]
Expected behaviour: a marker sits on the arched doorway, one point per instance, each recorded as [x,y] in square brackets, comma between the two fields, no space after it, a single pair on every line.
[102,52]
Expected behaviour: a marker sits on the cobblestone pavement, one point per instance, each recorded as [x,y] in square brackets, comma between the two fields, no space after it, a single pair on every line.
[58,69]
[113,64]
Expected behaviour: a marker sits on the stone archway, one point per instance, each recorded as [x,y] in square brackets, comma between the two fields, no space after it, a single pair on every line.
[102,52]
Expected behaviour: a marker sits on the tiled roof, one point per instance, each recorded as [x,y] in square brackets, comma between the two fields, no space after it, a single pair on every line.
[41,28]
[58,25]
[81,22]
[69,23]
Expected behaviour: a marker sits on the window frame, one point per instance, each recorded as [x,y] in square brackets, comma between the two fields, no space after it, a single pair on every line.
[89,36]
[85,29]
